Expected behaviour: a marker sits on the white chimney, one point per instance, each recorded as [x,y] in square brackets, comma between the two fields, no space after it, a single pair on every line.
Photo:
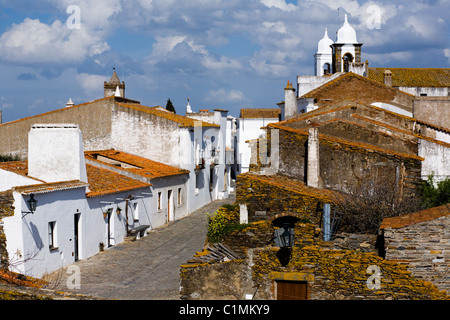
[56,153]
[290,102]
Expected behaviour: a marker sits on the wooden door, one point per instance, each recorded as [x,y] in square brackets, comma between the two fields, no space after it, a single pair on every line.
[292,290]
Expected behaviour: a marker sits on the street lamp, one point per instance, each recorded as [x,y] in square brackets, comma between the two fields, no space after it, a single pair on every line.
[286,239]
[286,242]
[31,204]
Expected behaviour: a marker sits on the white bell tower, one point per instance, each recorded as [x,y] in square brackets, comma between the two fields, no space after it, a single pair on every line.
[324,57]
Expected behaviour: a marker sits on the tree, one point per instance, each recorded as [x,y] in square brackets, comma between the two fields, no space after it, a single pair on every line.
[435,196]
[170,107]
[9,157]
[363,211]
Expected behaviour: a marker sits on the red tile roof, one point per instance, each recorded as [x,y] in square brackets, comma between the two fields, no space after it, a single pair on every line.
[158,111]
[259,113]
[416,217]
[413,77]
[50,187]
[134,164]
[103,181]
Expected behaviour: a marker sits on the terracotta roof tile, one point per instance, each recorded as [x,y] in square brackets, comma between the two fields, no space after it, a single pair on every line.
[181,120]
[413,77]
[50,187]
[103,181]
[296,186]
[313,93]
[134,164]
[416,217]
[259,113]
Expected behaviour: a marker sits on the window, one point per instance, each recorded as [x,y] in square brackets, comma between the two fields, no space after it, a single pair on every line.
[197,183]
[159,201]
[52,235]
[180,197]
[326,68]
[135,211]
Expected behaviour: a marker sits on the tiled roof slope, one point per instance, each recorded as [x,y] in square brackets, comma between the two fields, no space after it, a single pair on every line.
[413,77]
[416,217]
[20,167]
[103,181]
[348,75]
[181,120]
[258,113]
[50,187]
[140,166]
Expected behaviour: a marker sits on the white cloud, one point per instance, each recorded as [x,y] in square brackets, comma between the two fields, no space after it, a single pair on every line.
[280,4]
[90,83]
[447,54]
[33,41]
[223,96]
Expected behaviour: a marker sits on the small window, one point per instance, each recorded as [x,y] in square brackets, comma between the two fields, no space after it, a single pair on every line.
[423,94]
[52,235]
[159,201]
[136,211]
[197,183]
[180,196]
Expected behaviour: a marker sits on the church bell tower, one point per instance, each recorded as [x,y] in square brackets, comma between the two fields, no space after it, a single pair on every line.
[346,51]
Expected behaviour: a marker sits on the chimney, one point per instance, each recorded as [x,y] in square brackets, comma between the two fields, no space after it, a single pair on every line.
[388,78]
[56,153]
[312,171]
[69,103]
[290,102]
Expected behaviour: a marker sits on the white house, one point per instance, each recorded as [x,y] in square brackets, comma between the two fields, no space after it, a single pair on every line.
[94,201]
[249,127]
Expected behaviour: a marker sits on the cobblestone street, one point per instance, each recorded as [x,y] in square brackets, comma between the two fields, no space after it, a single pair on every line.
[144,269]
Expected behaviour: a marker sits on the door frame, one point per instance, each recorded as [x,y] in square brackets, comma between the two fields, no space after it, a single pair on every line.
[76,235]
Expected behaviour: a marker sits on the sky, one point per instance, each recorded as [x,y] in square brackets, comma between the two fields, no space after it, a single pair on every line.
[225,54]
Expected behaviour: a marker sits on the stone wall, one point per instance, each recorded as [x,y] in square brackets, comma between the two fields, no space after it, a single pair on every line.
[347,166]
[424,248]
[6,210]
[434,110]
[96,129]
[329,273]
[267,196]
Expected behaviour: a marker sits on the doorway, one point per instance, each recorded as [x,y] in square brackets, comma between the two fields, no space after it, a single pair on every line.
[292,290]
[109,229]
[76,224]
[170,206]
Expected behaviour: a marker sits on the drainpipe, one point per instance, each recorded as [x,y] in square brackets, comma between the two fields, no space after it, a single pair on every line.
[326,222]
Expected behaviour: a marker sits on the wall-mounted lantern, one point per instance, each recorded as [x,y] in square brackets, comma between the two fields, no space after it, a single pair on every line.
[118,210]
[31,204]
[286,239]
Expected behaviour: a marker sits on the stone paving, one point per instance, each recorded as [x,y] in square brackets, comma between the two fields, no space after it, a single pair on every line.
[145,269]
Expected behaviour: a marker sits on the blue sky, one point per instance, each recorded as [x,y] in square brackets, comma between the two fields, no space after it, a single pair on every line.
[220,53]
